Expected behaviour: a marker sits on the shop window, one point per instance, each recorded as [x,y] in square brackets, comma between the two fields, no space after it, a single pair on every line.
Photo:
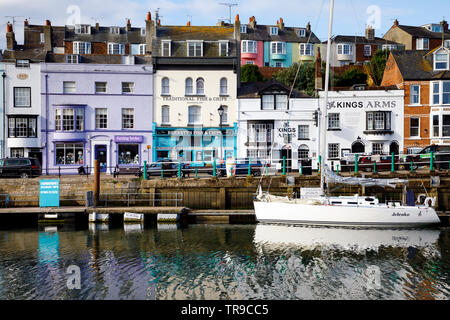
[69,153]
[128,154]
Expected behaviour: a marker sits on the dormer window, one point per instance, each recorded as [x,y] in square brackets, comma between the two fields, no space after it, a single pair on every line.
[223,48]
[195,49]
[166,48]
[423,44]
[273,31]
[441,60]
[82,29]
[115,30]
[301,33]
[244,28]
[22,63]
[143,32]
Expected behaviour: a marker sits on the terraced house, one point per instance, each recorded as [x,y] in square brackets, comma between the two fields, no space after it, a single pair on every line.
[277,45]
[197,74]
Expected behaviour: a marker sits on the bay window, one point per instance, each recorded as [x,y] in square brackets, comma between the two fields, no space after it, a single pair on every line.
[441,92]
[249,46]
[278,47]
[346,49]
[69,119]
[306,49]
[22,126]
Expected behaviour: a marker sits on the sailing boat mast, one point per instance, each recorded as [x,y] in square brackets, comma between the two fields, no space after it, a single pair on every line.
[323,109]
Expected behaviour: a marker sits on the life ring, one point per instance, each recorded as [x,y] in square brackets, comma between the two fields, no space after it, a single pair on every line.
[421,198]
[430,202]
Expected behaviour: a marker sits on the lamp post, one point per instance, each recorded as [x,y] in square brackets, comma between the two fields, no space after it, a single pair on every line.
[221,111]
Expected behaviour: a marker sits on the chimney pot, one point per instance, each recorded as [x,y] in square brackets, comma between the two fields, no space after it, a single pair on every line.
[237,18]
[149,16]
[189,24]
[9,27]
[25,23]
[48,23]
[396,23]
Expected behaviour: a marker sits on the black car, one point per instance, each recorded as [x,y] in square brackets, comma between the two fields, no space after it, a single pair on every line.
[441,157]
[20,167]
[169,168]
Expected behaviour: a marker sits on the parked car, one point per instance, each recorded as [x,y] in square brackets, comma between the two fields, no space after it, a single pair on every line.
[441,157]
[20,167]
[383,163]
[169,168]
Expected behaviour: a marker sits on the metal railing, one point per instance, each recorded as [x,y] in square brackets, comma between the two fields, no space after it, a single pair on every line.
[141,199]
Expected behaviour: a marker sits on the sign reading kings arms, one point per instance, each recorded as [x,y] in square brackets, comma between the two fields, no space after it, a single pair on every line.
[362,104]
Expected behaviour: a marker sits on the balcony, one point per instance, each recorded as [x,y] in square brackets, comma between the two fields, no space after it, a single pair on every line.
[250,56]
[345,57]
[278,56]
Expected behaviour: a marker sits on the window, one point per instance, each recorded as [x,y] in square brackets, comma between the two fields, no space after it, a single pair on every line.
[446,125]
[116,48]
[69,153]
[278,64]
[260,132]
[273,31]
[100,87]
[17,153]
[446,92]
[143,32]
[223,86]
[301,33]
[244,28]
[82,29]
[114,30]
[101,118]
[303,132]
[268,102]
[278,48]
[378,120]
[22,97]
[69,119]
[441,92]
[306,49]
[194,115]
[250,62]
[127,87]
[166,48]
[303,152]
[415,94]
[346,49]
[223,48]
[367,51]
[249,46]
[165,89]
[72,58]
[81,47]
[436,93]
[128,154]
[22,63]
[22,126]
[79,122]
[414,127]
[422,44]
[390,47]
[333,151]
[200,86]
[165,115]
[189,86]
[142,49]
[333,121]
[195,49]
[281,102]
[441,61]
[377,148]
[435,126]
[225,115]
[127,118]
[69,87]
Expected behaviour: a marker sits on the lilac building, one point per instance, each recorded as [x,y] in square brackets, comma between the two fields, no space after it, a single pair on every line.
[96,111]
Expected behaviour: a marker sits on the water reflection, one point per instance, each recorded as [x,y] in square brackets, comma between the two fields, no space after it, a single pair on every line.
[225,262]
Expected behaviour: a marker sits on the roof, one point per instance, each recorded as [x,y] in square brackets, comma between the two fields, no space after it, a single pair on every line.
[253,90]
[34,55]
[417,65]
[422,32]
[206,33]
[362,40]
[288,34]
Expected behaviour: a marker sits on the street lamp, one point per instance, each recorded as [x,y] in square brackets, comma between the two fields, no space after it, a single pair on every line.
[221,111]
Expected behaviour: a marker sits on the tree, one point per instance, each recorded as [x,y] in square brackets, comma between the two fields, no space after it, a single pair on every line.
[251,73]
[304,80]
[378,64]
[351,77]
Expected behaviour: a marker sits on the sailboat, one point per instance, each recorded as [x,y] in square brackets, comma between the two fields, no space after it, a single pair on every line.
[342,211]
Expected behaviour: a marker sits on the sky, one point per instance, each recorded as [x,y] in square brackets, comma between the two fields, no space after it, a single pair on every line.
[350,16]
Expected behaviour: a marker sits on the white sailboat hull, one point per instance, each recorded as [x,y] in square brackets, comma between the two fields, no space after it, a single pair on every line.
[332,215]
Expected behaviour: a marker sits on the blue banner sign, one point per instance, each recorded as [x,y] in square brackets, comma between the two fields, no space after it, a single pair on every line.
[49,193]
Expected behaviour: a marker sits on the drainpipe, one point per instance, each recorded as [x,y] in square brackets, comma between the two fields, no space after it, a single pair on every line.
[4,115]
[46,125]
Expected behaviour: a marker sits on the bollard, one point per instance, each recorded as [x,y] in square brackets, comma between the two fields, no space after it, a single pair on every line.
[284,166]
[374,167]
[145,170]
[179,169]
[249,167]
[196,173]
[412,166]
[214,168]
[393,162]
[356,163]
[431,161]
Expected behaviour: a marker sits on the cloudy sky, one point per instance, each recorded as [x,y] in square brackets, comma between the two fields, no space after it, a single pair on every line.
[351,16]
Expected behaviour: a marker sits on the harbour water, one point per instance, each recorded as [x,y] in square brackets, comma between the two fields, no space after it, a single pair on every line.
[223,261]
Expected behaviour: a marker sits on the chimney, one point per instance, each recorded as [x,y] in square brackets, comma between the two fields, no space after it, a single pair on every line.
[237,44]
[237,29]
[188,24]
[150,32]
[159,22]
[252,22]
[97,26]
[10,37]
[444,24]
[47,36]
[319,78]
[25,23]
[308,27]
[280,24]
[128,25]
[370,33]
[395,23]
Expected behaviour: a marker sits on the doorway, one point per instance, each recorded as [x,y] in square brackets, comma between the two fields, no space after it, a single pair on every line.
[37,154]
[101,156]
[286,153]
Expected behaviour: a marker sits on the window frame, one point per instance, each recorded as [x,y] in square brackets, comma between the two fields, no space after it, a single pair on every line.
[300,132]
[418,127]
[60,121]
[421,41]
[411,95]
[65,88]
[371,121]
[276,43]
[337,151]
[221,43]
[245,46]
[79,29]
[165,86]
[169,43]
[191,86]
[202,87]
[341,49]
[99,120]
[369,54]
[130,119]
[196,114]
[194,43]
[274,31]
[275,101]
[222,86]
[76,47]
[330,120]
[165,116]
[22,63]
[436,62]
[304,51]
[29,119]
[15,97]
[131,88]
[243,28]
[96,87]
[112,48]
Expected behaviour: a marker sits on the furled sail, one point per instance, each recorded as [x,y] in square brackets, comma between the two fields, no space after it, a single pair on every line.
[332,177]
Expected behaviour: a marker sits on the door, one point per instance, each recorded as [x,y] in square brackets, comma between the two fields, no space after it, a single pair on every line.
[286,153]
[36,154]
[101,155]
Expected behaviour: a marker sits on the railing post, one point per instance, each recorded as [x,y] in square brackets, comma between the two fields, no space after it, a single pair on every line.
[214,168]
[196,173]
[356,163]
[59,172]
[320,163]
[374,167]
[284,166]
[145,170]
[162,172]
[431,160]
[301,169]
[179,169]
[393,162]
[337,166]
[412,166]
[249,167]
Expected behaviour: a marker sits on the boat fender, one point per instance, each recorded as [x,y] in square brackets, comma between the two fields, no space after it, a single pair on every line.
[421,198]
[430,202]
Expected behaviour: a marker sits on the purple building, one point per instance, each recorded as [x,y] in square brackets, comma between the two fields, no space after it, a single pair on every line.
[96,111]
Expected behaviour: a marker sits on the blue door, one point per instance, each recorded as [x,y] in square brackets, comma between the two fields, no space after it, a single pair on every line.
[101,155]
